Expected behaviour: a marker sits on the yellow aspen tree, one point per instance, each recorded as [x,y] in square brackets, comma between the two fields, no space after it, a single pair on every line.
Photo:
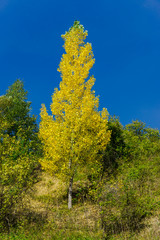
[76,131]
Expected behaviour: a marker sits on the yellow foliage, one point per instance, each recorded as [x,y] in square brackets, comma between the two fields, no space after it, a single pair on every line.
[76,132]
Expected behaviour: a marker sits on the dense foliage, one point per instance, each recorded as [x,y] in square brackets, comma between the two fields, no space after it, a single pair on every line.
[76,133]
[18,150]
[115,167]
[128,194]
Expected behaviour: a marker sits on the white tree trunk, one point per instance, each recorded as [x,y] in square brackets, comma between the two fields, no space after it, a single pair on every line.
[70,193]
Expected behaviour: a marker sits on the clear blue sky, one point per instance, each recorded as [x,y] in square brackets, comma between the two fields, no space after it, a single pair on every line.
[125,37]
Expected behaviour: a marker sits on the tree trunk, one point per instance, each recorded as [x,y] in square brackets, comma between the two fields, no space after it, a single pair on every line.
[70,193]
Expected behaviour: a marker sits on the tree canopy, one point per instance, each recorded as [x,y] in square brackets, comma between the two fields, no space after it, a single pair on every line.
[76,132]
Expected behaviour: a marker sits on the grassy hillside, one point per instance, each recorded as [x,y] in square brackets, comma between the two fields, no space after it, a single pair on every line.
[122,203]
[43,213]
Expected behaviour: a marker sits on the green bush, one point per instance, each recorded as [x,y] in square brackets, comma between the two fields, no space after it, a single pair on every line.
[125,201]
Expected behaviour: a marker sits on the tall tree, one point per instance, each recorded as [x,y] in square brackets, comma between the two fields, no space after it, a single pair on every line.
[19,146]
[76,133]
[17,113]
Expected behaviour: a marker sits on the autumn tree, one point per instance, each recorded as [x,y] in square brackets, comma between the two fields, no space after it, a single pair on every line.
[76,133]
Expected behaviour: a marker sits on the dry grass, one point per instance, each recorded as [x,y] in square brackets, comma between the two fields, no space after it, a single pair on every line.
[49,198]
[152,230]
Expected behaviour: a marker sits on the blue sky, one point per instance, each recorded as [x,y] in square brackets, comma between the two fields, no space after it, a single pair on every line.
[125,37]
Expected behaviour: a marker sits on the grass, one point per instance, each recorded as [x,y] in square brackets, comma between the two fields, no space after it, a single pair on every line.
[47,236]
[43,214]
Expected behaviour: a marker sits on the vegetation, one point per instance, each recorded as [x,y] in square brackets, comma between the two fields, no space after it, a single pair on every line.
[116,168]
[76,133]
[18,151]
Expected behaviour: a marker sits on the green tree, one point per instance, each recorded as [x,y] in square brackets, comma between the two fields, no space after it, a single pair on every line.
[115,149]
[140,140]
[137,128]
[76,133]
[18,154]
[17,113]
